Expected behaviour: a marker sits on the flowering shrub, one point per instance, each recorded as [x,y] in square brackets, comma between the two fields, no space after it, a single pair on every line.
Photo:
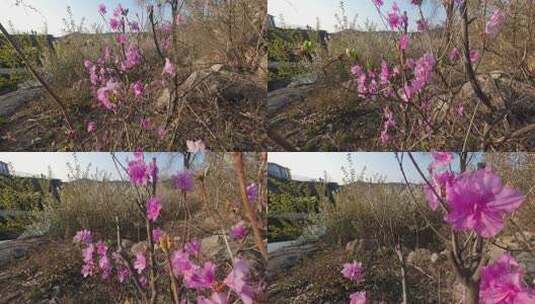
[474,202]
[193,276]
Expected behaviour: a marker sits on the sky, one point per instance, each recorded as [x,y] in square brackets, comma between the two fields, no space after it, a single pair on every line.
[304,12]
[52,12]
[39,163]
[313,165]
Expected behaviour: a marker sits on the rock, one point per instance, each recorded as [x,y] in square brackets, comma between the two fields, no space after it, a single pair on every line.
[139,247]
[286,257]
[126,243]
[489,86]
[211,246]
[302,80]
[11,102]
[163,100]
[282,98]
[361,245]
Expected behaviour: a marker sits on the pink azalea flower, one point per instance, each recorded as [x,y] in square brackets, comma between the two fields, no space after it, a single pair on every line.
[495,22]
[115,24]
[102,9]
[440,159]
[215,298]
[153,208]
[478,201]
[180,262]
[83,236]
[138,88]
[237,280]
[169,68]
[394,19]
[422,25]
[378,3]
[193,247]
[353,271]
[358,298]
[501,283]
[102,249]
[106,95]
[121,38]
[118,11]
[134,26]
[195,146]
[475,56]
[105,266]
[145,124]
[91,127]
[252,192]
[88,253]
[139,172]
[140,263]
[439,183]
[88,270]
[122,274]
[200,277]
[385,73]
[454,54]
[133,58]
[157,235]
[184,180]
[404,42]
[238,231]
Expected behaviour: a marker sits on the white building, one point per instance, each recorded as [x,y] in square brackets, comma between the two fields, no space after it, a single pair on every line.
[278,171]
[4,168]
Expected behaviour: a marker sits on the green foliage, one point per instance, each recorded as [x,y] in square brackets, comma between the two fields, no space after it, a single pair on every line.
[18,194]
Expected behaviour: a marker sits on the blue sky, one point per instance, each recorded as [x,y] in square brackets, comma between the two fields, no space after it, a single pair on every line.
[39,163]
[314,164]
[305,12]
[52,12]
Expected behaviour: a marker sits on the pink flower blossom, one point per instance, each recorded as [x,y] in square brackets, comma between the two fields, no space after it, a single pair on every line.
[121,38]
[88,270]
[88,253]
[237,280]
[180,262]
[358,298]
[478,201]
[184,180]
[440,182]
[238,231]
[140,263]
[122,274]
[200,277]
[118,11]
[454,54]
[215,298]
[102,9]
[108,95]
[102,249]
[195,146]
[105,266]
[134,26]
[404,42]
[501,283]
[422,25]
[252,192]
[83,236]
[153,208]
[157,235]
[133,58]
[475,56]
[193,247]
[145,123]
[495,22]
[91,127]
[353,271]
[394,19]
[440,159]
[115,24]
[138,88]
[139,172]
[169,68]
[378,3]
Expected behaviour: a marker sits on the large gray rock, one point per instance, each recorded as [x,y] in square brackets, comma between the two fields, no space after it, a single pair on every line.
[11,102]
[283,259]
[280,99]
